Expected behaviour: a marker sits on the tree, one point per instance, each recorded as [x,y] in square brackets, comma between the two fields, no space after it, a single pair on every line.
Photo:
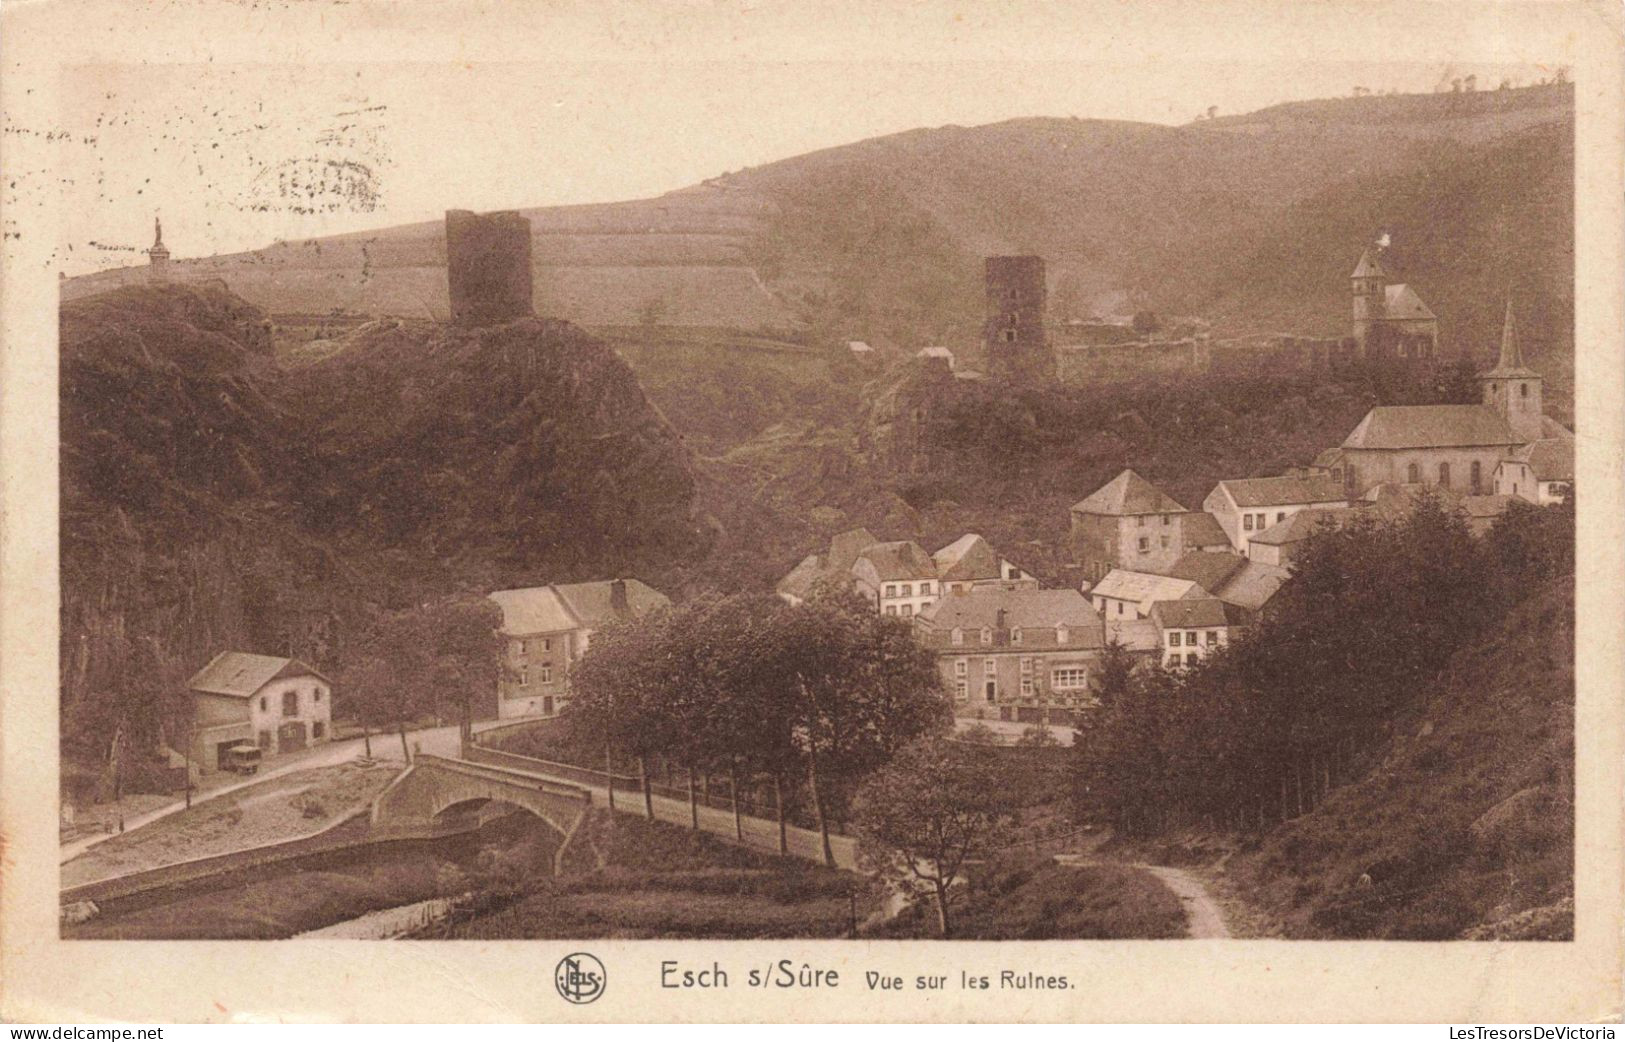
[619,692]
[937,805]
[860,688]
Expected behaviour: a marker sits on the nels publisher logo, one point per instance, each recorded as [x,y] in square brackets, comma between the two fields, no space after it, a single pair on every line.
[579,978]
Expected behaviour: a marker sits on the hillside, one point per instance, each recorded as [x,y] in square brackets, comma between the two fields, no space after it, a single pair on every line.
[212,499]
[1254,219]
[1466,825]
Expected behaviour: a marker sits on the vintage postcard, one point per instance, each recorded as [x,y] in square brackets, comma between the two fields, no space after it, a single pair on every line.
[725,511]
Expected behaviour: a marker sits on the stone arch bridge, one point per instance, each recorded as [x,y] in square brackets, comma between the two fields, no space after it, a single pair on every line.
[433,785]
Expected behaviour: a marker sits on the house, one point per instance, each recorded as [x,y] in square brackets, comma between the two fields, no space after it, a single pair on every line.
[1127,523]
[1247,505]
[1139,637]
[1280,543]
[899,577]
[1251,586]
[280,705]
[548,628]
[1189,630]
[1454,447]
[936,358]
[970,560]
[1201,532]
[1123,594]
[1015,652]
[1206,568]
[1541,472]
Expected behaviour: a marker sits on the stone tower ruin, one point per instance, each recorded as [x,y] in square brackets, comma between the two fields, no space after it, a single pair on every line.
[1015,339]
[158,254]
[488,267]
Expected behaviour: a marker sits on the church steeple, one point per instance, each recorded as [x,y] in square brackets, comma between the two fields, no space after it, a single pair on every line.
[1512,388]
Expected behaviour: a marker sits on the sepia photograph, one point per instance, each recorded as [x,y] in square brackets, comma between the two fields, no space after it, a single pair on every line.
[992,499]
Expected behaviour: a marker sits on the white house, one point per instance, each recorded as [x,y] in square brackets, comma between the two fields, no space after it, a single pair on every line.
[1123,594]
[548,627]
[1541,472]
[279,704]
[1247,505]
[1192,629]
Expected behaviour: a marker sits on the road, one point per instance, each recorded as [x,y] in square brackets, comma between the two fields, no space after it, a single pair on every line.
[440,741]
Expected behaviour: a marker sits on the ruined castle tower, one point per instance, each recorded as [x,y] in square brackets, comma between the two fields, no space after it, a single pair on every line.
[488,267]
[158,255]
[1014,337]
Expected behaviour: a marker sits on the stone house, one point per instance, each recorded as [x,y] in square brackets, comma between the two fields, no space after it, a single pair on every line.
[1250,505]
[281,705]
[1015,652]
[1127,523]
[899,578]
[547,628]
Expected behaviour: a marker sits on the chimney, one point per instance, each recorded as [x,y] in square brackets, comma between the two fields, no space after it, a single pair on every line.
[617,598]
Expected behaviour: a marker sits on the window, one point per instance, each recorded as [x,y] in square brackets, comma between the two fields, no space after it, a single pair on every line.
[1139,521]
[925,587]
[318,729]
[547,673]
[1069,678]
[958,637]
[1444,474]
[1165,542]
[1175,637]
[990,667]
[1026,665]
[1009,336]
[1261,519]
[1212,637]
[1281,516]
[1173,661]
[1122,607]
[315,694]
[1167,519]
[519,649]
[1413,474]
[524,676]
[890,609]
[1247,522]
[1026,687]
[290,703]
[891,589]
[262,697]
[1015,635]
[1145,544]
[962,667]
[907,590]
[1477,476]
[1523,390]
[987,637]
[1061,635]
[547,643]
[908,611]
[961,691]
[1190,658]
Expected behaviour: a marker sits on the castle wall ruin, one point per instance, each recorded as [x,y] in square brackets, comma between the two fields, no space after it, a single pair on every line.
[488,267]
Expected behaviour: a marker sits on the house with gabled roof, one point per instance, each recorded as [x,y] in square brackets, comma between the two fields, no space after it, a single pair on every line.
[1123,594]
[1280,543]
[1246,506]
[547,628]
[1190,630]
[279,704]
[971,560]
[899,577]
[1015,652]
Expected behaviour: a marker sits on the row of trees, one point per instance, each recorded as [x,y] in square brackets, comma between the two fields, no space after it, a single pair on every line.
[1263,728]
[813,696]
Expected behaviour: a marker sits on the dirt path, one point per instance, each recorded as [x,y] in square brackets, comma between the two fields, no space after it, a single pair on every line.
[1203,918]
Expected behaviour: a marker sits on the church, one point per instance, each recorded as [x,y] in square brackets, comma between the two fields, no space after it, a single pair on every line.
[1493,448]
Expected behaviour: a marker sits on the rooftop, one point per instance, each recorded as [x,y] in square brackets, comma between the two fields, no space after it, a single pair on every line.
[902,559]
[1252,585]
[969,557]
[1429,426]
[1197,613]
[1552,459]
[1142,587]
[1024,608]
[1401,304]
[1200,528]
[1128,494]
[240,674]
[1303,524]
[1207,570]
[1268,492]
[557,608]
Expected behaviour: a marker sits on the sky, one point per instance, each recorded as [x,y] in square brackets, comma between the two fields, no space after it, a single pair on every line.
[234,156]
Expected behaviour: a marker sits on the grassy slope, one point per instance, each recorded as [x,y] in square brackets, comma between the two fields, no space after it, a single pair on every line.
[1501,722]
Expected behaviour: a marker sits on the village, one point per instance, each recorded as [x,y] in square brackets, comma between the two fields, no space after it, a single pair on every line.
[1016,661]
